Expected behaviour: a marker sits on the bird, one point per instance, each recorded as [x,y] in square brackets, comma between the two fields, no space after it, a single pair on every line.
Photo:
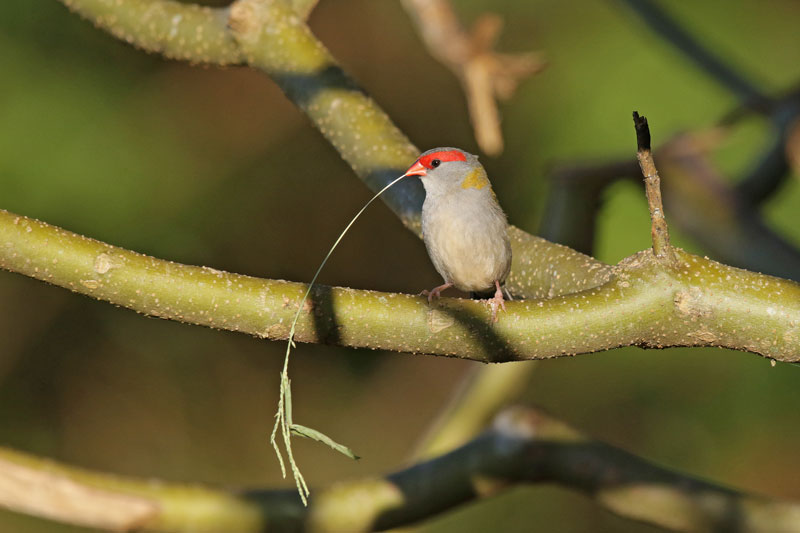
[463,226]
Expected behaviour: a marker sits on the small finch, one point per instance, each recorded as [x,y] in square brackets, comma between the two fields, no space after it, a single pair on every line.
[463,226]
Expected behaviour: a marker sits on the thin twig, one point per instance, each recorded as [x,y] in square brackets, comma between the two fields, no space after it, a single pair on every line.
[659,230]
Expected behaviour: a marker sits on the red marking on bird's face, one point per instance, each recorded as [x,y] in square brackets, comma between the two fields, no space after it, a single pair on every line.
[426,162]
[450,155]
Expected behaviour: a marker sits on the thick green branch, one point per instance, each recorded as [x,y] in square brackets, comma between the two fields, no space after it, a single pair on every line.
[701,303]
[524,446]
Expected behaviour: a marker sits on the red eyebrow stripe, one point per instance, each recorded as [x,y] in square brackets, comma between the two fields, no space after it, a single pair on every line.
[449,155]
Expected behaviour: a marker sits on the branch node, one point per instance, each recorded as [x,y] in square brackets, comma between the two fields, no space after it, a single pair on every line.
[658,230]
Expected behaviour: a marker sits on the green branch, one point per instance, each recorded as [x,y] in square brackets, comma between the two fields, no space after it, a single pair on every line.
[701,303]
[524,446]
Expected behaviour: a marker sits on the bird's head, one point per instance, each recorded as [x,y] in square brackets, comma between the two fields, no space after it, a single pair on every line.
[445,170]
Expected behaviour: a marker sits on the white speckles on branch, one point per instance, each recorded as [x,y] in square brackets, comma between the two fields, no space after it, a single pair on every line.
[90,283]
[721,306]
[176,20]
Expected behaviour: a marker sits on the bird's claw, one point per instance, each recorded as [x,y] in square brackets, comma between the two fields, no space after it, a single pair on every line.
[435,292]
[497,302]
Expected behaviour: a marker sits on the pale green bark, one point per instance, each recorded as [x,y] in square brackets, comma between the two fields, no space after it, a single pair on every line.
[702,303]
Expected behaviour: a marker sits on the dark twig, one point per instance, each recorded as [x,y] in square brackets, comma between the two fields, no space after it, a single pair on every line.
[652,184]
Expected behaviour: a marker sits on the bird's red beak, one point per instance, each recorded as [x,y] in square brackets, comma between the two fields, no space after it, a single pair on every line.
[417,169]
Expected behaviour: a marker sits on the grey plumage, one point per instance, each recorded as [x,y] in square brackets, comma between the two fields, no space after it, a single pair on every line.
[463,226]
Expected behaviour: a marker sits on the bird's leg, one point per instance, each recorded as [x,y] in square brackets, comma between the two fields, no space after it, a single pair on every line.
[435,292]
[497,301]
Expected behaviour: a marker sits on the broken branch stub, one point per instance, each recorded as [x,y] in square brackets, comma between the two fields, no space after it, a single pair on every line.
[652,182]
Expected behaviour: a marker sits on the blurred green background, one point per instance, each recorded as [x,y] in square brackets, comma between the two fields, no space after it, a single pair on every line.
[215,167]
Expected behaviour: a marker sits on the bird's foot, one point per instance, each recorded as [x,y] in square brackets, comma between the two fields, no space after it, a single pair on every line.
[498,302]
[435,292]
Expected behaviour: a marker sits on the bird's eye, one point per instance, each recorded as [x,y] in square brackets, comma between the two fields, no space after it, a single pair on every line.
[435,163]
